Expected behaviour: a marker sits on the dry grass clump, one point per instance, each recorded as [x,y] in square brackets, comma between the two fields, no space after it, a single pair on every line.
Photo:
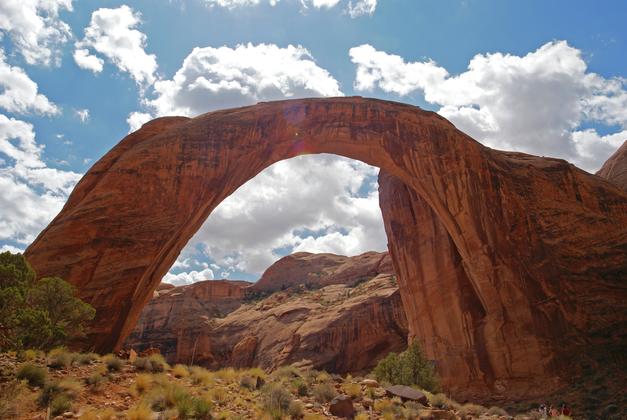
[362,416]
[228,375]
[15,399]
[352,390]
[70,387]
[97,414]
[143,383]
[275,400]
[60,404]
[300,387]
[472,410]
[201,376]
[324,392]
[287,372]
[33,374]
[296,409]
[140,412]
[60,358]
[29,355]
[383,404]
[112,362]
[497,411]
[96,381]
[443,402]
[217,395]
[85,358]
[248,382]
[323,377]
[154,363]
[180,371]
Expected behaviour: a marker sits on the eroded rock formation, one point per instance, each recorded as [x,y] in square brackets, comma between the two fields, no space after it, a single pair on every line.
[542,244]
[342,321]
[615,168]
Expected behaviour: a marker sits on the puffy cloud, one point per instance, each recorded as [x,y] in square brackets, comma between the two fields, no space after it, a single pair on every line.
[184,278]
[32,193]
[19,94]
[35,28]
[214,78]
[136,119]
[361,7]
[112,33]
[319,203]
[232,4]
[534,103]
[12,249]
[82,114]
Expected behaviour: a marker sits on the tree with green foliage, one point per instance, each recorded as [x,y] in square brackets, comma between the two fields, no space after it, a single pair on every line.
[411,367]
[37,314]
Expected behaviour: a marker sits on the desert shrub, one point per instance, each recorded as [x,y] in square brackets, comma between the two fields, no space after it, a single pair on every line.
[95,380]
[248,382]
[323,377]
[201,376]
[383,404]
[201,408]
[28,355]
[153,363]
[324,392]
[112,362]
[275,400]
[48,392]
[98,414]
[362,416]
[35,375]
[85,358]
[174,395]
[352,390]
[410,367]
[37,314]
[180,371]
[228,375]
[472,410]
[287,372]
[218,395]
[140,412]
[15,399]
[256,372]
[496,411]
[296,409]
[60,358]
[143,382]
[300,387]
[60,404]
[70,387]
[443,402]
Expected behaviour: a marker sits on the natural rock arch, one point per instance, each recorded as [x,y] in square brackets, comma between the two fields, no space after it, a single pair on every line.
[491,272]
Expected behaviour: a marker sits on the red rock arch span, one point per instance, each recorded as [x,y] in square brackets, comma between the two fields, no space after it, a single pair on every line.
[492,273]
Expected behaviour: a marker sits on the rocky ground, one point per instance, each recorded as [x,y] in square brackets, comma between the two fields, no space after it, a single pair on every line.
[92,387]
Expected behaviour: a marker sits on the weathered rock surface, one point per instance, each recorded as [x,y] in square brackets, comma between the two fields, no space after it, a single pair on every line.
[345,327]
[615,168]
[322,270]
[534,248]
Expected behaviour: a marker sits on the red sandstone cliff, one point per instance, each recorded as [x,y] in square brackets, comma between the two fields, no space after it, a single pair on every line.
[615,168]
[342,325]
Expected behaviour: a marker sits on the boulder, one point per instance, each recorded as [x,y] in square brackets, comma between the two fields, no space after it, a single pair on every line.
[342,406]
[406,393]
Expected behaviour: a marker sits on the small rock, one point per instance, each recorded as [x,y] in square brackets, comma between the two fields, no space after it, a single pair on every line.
[367,402]
[342,406]
[370,383]
[309,405]
[68,415]
[406,393]
[132,356]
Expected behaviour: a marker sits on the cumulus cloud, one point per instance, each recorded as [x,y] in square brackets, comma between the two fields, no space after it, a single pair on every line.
[184,278]
[136,119]
[35,28]
[361,7]
[319,203]
[32,193]
[215,78]
[534,103]
[112,33]
[19,94]
[12,249]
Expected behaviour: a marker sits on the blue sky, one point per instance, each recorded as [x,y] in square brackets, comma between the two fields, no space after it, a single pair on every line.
[545,77]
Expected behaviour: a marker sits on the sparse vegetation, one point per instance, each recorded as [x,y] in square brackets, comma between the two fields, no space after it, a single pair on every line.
[276,400]
[33,374]
[410,367]
[324,392]
[113,362]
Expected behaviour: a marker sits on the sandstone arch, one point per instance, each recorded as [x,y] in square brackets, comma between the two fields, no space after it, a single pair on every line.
[493,275]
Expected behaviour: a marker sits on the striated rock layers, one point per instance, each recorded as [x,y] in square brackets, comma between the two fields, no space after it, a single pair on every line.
[615,169]
[336,321]
[535,248]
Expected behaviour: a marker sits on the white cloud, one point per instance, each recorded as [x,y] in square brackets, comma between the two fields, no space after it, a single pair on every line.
[309,203]
[86,61]
[232,4]
[112,33]
[184,278]
[534,103]
[32,193]
[82,115]
[361,7]
[12,249]
[215,78]
[136,119]
[19,94]
[35,28]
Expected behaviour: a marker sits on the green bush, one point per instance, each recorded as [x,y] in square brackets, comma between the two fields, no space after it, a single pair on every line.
[35,375]
[37,314]
[60,404]
[410,367]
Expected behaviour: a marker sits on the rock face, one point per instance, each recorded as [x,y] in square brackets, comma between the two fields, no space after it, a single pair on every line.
[615,169]
[322,270]
[341,326]
[534,248]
